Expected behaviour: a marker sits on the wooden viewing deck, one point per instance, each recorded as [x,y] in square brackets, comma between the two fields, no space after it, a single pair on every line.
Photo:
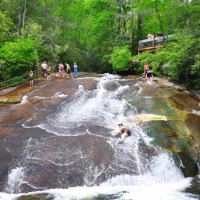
[154,43]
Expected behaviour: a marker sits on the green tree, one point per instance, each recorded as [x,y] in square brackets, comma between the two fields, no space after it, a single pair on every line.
[5,26]
[121,58]
[18,57]
[182,58]
[89,32]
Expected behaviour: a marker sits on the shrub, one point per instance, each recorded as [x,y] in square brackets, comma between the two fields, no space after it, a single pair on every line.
[18,57]
[120,58]
[182,57]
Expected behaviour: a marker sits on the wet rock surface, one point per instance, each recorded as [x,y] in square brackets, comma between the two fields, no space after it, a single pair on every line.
[37,197]
[60,156]
[42,101]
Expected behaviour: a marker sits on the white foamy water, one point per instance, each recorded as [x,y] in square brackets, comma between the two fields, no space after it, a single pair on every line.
[15,179]
[149,82]
[102,105]
[143,171]
[139,192]
[24,99]
[56,95]
[139,188]
[197,112]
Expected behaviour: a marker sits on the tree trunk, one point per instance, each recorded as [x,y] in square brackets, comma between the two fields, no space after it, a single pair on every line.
[159,18]
[124,29]
[121,15]
[35,9]
[19,18]
[118,26]
[44,15]
[24,14]
[139,24]
[131,30]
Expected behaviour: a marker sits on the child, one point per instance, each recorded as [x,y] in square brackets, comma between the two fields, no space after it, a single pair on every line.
[31,76]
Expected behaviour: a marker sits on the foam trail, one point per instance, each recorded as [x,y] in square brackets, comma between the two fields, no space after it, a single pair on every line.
[141,189]
[90,107]
[15,178]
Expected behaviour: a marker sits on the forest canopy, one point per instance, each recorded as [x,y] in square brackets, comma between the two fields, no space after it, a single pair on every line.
[100,36]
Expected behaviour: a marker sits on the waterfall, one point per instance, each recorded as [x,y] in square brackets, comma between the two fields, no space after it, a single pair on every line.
[15,179]
[78,149]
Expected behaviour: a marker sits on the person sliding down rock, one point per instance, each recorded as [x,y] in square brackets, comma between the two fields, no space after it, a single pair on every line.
[123,131]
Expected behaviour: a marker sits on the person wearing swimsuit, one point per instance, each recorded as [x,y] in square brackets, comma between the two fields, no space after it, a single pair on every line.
[146,68]
[149,75]
[123,131]
[69,72]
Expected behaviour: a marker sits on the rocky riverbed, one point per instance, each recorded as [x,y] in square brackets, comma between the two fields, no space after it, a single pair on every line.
[24,142]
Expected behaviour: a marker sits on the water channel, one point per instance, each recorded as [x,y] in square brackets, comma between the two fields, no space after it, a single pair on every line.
[64,149]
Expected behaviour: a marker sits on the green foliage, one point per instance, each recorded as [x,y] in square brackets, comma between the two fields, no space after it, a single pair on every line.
[195,68]
[50,48]
[34,30]
[18,57]
[5,26]
[121,58]
[100,30]
[182,57]
[72,55]
[90,32]
[195,72]
[15,81]
[185,58]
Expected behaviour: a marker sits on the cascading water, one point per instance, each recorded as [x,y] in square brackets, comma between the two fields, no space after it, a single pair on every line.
[15,179]
[79,152]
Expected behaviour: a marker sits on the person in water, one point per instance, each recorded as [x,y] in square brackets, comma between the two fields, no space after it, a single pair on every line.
[146,69]
[123,131]
[149,75]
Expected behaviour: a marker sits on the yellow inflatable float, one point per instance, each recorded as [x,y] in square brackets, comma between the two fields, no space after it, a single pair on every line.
[140,118]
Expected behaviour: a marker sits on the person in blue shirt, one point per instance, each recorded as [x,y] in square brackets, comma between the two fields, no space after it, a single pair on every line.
[75,70]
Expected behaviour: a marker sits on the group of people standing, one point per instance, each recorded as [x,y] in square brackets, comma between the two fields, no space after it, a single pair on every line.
[63,70]
[66,67]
